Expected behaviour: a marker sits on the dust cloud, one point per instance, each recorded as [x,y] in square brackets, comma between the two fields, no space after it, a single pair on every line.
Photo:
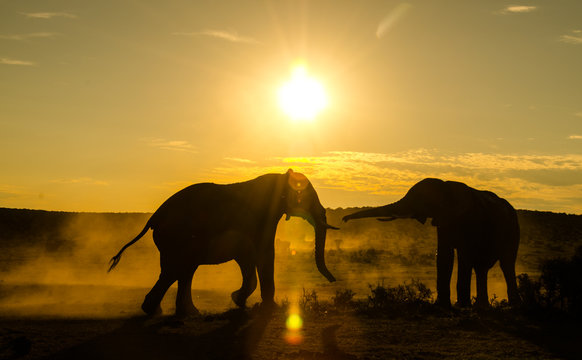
[58,266]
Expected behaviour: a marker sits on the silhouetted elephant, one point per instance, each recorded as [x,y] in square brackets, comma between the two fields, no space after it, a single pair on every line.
[210,224]
[480,225]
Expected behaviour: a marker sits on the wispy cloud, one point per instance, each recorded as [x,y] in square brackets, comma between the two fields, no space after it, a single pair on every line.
[516,9]
[575,137]
[81,181]
[525,180]
[575,37]
[227,35]
[172,145]
[50,15]
[240,160]
[9,191]
[45,35]
[390,20]
[8,61]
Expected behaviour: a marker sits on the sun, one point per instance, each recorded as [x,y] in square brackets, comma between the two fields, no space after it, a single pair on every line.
[302,97]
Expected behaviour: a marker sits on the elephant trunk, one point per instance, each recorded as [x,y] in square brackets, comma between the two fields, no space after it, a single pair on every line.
[391,210]
[320,234]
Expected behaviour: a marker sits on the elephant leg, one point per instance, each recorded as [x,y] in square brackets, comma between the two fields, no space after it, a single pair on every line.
[266,269]
[445,259]
[151,303]
[184,305]
[464,272]
[482,295]
[249,282]
[508,268]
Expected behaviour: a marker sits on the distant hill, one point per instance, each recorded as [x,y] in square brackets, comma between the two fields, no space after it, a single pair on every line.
[53,230]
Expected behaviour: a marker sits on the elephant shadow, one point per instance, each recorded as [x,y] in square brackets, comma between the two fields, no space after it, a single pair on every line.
[234,334]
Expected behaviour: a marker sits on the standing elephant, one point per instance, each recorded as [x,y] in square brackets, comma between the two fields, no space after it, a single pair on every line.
[210,224]
[480,225]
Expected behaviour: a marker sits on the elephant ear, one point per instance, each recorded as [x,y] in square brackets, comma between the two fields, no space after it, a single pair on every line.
[457,203]
[297,181]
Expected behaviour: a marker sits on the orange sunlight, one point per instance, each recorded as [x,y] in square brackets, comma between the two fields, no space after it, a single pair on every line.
[302,97]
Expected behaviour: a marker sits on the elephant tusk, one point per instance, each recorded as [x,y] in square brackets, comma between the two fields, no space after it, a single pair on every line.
[331,227]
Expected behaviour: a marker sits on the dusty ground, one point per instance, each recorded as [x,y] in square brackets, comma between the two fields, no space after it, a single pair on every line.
[256,333]
[58,302]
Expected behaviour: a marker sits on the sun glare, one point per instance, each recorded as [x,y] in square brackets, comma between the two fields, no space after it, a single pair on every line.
[302,97]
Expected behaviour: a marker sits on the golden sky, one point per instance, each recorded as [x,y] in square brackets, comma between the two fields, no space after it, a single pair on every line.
[115,105]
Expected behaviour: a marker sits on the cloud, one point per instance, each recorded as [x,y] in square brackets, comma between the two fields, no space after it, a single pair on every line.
[50,15]
[81,181]
[29,36]
[235,159]
[226,35]
[390,20]
[516,9]
[8,61]
[579,114]
[551,181]
[173,145]
[575,137]
[10,191]
[574,38]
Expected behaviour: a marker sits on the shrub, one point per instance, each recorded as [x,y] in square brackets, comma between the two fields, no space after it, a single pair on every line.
[559,286]
[309,301]
[343,299]
[529,291]
[562,281]
[415,293]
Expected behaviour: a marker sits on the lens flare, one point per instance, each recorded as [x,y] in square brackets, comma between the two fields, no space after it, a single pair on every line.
[294,323]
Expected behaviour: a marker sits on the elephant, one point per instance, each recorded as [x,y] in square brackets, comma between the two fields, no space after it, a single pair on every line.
[481,226]
[209,223]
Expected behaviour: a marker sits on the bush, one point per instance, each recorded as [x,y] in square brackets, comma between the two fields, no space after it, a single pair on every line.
[309,302]
[529,291]
[415,293]
[558,288]
[343,299]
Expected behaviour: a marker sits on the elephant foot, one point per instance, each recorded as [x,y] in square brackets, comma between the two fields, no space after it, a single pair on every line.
[238,299]
[515,301]
[268,304]
[463,304]
[483,304]
[443,303]
[151,310]
[184,312]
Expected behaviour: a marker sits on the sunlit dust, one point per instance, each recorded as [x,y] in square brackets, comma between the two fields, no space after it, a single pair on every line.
[302,97]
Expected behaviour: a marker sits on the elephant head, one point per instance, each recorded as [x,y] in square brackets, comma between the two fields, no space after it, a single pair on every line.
[301,200]
[441,201]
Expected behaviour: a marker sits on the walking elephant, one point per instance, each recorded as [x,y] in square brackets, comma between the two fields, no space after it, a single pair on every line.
[480,225]
[210,224]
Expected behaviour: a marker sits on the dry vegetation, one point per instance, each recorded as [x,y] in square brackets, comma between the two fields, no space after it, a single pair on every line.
[57,301]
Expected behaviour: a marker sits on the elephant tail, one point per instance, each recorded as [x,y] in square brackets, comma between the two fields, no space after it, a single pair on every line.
[115,260]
